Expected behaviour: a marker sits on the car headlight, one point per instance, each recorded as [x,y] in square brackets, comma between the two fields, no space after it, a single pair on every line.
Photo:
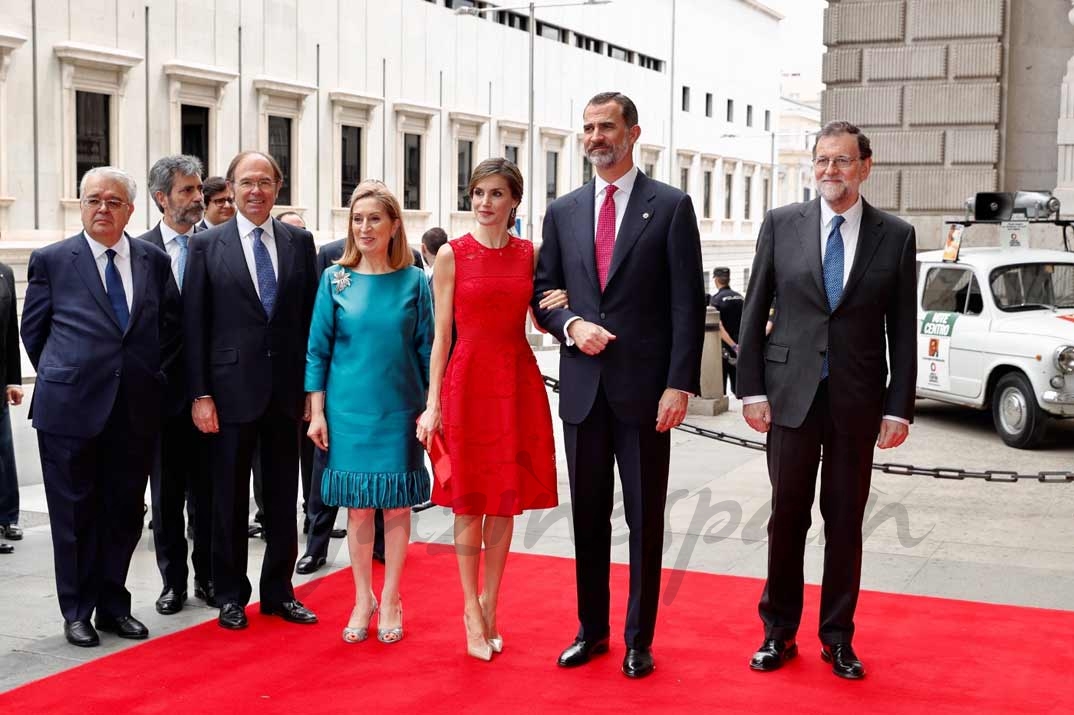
[1064,359]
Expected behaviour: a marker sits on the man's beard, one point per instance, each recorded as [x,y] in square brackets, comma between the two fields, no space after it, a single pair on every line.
[190,214]
[832,191]
[608,158]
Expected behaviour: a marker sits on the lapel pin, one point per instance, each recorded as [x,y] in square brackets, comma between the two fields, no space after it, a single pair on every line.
[645,215]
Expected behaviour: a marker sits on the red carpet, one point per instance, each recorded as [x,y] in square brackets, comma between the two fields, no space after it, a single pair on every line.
[923,655]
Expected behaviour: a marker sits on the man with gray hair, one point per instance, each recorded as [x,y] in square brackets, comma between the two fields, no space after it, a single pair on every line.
[180,467]
[100,324]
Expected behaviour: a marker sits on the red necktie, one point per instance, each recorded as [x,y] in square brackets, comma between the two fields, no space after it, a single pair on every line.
[604,242]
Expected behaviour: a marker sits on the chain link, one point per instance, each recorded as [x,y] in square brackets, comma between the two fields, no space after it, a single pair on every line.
[908,470]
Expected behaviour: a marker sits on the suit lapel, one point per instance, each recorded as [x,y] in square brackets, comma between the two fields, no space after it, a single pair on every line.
[285,256]
[639,211]
[584,230]
[869,237]
[235,260]
[809,237]
[86,267]
[139,279]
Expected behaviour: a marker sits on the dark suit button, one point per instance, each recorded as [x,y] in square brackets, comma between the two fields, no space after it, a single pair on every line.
[268,353]
[116,373]
[602,316]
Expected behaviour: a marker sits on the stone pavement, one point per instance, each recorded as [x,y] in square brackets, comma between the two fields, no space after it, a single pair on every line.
[1001,543]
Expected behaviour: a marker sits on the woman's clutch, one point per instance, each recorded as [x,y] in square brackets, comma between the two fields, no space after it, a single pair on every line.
[441,461]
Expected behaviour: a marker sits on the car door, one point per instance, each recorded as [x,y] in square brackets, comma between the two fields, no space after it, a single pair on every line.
[953,327]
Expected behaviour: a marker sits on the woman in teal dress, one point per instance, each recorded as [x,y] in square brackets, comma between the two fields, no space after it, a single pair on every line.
[367,372]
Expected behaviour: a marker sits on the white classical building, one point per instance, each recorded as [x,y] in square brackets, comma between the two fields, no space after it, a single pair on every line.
[408,91]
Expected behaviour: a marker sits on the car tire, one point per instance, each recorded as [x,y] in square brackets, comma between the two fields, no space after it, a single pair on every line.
[1018,418]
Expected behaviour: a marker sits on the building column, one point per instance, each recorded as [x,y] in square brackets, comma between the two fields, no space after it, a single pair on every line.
[1064,190]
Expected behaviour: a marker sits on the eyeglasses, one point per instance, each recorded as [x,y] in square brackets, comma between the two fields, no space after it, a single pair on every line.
[95,203]
[263,184]
[839,162]
[222,202]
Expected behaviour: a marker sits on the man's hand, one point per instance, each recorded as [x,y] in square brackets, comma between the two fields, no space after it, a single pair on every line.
[758,415]
[14,395]
[203,412]
[892,434]
[671,410]
[588,337]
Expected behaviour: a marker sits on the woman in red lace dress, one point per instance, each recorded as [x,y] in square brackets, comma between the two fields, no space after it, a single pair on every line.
[489,399]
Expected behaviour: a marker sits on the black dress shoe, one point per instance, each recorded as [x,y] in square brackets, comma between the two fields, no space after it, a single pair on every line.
[773,654]
[81,634]
[124,627]
[579,652]
[6,548]
[338,533]
[378,556]
[206,592]
[232,617]
[171,601]
[291,611]
[13,532]
[844,663]
[309,564]
[637,663]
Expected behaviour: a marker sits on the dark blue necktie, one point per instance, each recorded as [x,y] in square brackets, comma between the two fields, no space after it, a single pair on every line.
[833,274]
[116,295]
[266,278]
[180,265]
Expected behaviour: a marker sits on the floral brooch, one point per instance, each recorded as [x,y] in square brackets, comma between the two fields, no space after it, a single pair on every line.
[341,279]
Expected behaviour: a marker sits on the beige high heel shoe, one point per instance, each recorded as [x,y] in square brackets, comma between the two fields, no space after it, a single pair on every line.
[476,644]
[357,635]
[495,640]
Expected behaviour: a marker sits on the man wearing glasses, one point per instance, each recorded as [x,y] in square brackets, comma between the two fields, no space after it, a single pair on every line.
[247,299]
[844,273]
[219,202]
[100,325]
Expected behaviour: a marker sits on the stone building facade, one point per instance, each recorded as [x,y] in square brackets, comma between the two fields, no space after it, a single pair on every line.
[958,96]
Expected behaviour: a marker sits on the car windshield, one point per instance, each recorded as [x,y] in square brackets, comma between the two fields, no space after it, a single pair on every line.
[1029,286]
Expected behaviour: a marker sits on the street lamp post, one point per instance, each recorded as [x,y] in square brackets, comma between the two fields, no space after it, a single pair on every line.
[531,139]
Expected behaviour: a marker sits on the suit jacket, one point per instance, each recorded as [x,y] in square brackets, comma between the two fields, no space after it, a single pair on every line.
[248,362]
[11,365]
[653,301]
[877,308]
[75,343]
[175,399]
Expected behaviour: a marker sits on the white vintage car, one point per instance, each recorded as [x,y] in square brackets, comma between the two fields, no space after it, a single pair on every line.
[996,331]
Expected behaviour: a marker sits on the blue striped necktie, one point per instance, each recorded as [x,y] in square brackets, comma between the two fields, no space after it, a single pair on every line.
[266,277]
[833,275]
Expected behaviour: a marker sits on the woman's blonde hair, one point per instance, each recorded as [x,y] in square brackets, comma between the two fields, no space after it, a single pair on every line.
[399,255]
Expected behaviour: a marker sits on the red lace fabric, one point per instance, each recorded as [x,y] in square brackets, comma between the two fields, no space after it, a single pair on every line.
[497,424]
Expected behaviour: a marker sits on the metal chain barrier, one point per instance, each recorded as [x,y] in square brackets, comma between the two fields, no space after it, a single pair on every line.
[988,475]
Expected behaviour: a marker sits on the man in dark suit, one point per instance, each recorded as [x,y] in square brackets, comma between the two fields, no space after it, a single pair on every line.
[100,324]
[180,467]
[626,249]
[845,276]
[247,299]
[11,370]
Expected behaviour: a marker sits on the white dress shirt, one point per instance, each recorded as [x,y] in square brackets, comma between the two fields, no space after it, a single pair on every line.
[122,261]
[168,235]
[246,233]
